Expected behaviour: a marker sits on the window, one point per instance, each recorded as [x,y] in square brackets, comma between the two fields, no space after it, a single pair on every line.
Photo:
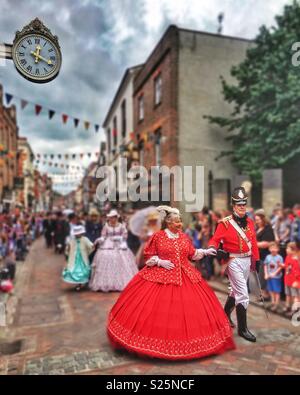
[141,107]
[115,131]
[157,90]
[123,112]
[157,145]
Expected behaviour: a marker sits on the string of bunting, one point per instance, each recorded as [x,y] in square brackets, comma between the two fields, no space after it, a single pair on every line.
[67,156]
[38,109]
[61,165]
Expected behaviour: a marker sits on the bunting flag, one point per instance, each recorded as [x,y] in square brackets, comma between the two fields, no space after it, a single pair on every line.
[65,118]
[38,109]
[8,97]
[23,103]
[69,156]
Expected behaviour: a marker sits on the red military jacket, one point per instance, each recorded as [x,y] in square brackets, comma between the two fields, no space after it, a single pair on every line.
[177,250]
[231,239]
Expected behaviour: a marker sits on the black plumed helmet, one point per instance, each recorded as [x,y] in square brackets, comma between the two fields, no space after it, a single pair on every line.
[239,196]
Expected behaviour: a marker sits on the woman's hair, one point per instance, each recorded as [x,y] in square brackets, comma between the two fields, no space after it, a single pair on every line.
[263,218]
[169,218]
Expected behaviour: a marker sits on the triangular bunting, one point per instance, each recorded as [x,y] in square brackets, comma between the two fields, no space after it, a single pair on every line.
[76,122]
[23,103]
[8,97]
[51,114]
[38,109]
[65,118]
[96,128]
[86,125]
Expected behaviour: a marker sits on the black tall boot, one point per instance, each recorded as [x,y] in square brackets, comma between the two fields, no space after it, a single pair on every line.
[228,308]
[243,331]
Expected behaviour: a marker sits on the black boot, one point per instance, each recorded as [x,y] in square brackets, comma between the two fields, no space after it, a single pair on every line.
[228,308]
[243,331]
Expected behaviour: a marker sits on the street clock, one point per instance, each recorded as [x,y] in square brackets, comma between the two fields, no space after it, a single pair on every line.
[36,53]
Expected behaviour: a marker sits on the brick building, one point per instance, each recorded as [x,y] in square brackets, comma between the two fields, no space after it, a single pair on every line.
[179,84]
[8,152]
[26,169]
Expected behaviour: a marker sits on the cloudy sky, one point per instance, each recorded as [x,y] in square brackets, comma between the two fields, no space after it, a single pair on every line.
[99,40]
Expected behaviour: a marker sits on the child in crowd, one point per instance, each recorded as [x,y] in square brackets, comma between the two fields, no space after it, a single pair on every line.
[272,267]
[290,268]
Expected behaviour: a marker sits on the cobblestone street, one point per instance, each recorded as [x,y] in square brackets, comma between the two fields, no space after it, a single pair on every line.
[51,329]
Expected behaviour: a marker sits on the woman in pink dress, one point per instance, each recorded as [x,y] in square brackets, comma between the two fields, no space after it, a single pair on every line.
[114,264]
[168,311]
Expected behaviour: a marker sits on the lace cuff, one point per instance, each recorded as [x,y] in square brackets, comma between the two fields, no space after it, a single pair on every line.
[153,261]
[199,254]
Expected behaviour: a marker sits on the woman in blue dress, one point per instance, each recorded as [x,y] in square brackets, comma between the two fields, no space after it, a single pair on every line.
[78,270]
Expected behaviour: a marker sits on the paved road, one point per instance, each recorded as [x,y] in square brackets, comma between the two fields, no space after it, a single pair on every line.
[55,330]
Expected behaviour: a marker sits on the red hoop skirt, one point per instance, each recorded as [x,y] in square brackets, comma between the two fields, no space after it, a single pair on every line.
[169,321]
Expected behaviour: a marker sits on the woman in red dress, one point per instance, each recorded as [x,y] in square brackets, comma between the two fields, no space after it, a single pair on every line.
[167,310]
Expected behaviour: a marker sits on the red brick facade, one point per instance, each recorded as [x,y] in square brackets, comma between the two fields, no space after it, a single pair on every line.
[8,142]
[162,61]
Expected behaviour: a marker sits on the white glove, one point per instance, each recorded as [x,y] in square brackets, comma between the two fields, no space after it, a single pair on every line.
[201,253]
[100,240]
[165,264]
[160,263]
[210,252]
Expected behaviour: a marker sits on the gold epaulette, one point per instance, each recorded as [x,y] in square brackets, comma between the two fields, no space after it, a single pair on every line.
[226,220]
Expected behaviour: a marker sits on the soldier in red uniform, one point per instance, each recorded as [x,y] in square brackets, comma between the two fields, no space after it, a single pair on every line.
[237,235]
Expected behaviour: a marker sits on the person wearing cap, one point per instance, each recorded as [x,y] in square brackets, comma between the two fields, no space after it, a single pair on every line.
[78,269]
[114,263]
[167,310]
[237,235]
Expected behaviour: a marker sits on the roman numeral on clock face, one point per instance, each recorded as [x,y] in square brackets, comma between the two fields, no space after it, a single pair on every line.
[23,62]
[50,50]
[45,70]
[29,68]
[37,71]
[37,41]
[21,54]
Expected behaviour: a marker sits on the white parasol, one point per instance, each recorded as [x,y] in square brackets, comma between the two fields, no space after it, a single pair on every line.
[139,219]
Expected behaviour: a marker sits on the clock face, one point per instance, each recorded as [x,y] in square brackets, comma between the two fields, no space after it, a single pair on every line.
[37,57]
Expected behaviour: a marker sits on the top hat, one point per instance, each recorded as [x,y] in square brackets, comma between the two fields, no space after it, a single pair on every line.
[239,196]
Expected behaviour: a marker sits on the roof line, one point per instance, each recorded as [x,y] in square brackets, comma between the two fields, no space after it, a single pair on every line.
[118,91]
